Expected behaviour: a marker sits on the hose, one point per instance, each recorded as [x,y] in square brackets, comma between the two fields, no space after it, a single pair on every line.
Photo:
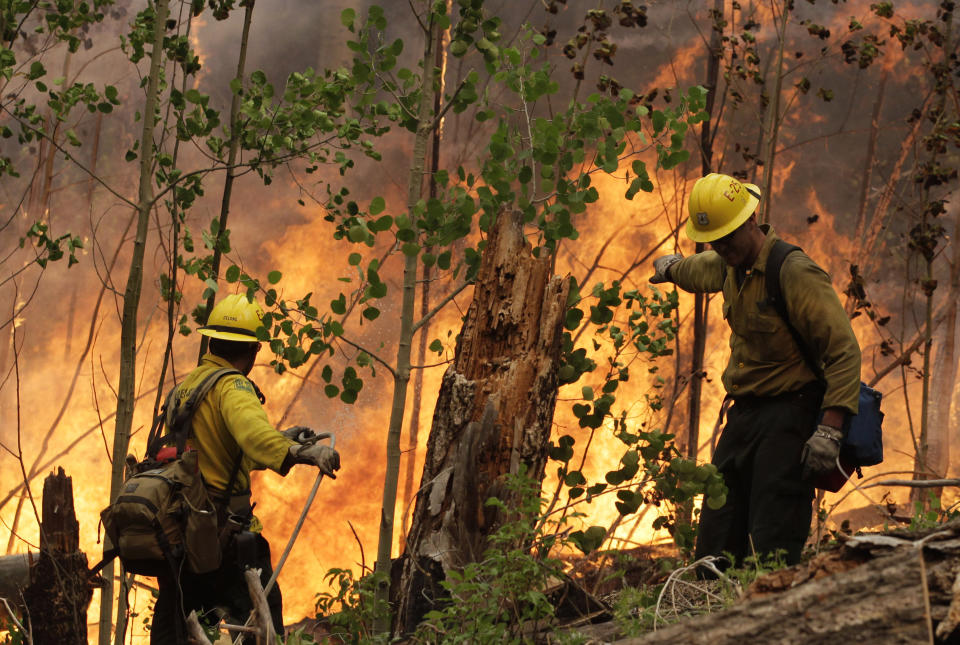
[296,529]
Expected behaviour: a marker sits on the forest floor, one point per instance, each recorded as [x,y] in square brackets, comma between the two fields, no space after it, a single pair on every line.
[895,581]
[892,585]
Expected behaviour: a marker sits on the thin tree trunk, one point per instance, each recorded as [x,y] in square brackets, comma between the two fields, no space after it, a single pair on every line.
[945,373]
[234,151]
[493,415]
[413,435]
[701,302]
[131,299]
[869,163]
[408,300]
[921,465]
[860,228]
[925,461]
[878,223]
[773,119]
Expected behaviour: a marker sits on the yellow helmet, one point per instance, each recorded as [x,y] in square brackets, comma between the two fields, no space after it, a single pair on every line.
[234,318]
[718,205]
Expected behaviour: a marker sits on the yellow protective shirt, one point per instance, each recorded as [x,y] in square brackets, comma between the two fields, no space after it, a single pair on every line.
[764,358]
[229,421]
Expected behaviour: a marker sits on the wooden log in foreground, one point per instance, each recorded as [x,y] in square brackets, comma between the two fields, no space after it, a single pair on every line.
[875,589]
[59,591]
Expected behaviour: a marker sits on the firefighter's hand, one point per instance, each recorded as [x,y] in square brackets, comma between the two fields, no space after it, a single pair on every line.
[300,434]
[820,453]
[661,267]
[320,455]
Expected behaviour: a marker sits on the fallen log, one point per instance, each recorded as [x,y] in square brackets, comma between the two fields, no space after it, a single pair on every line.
[15,575]
[890,588]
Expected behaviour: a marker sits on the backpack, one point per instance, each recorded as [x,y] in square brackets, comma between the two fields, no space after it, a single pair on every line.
[863,440]
[164,515]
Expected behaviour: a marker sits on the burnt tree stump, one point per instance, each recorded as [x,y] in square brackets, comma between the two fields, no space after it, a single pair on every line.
[59,591]
[493,413]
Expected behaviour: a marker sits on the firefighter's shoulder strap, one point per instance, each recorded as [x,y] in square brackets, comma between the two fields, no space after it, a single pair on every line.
[176,418]
[775,298]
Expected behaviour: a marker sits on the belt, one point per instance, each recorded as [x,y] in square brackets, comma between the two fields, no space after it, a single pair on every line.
[810,395]
[238,504]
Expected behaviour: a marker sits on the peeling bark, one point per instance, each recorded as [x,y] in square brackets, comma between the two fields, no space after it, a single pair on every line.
[493,413]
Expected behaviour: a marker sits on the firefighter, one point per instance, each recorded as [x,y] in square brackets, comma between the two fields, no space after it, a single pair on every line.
[231,432]
[785,424]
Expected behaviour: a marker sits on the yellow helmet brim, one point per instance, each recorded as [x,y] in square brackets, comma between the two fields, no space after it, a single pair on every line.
[223,333]
[736,222]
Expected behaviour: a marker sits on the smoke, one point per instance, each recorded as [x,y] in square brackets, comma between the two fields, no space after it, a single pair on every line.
[819,169]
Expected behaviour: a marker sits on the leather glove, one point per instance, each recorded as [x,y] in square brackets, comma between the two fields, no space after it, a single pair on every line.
[320,455]
[661,267]
[820,453]
[300,434]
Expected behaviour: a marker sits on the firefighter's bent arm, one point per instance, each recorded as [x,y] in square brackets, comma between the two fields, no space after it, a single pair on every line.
[248,423]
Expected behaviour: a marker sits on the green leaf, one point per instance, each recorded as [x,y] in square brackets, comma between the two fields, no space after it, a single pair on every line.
[331,390]
[572,319]
[574,478]
[564,450]
[443,260]
[354,259]
[596,489]
[274,277]
[36,70]
[410,249]
[377,205]
[377,290]
[347,16]
[232,274]
[371,313]
[357,233]
[436,346]
[589,540]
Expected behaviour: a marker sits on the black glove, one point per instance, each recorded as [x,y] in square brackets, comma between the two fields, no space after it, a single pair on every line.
[661,267]
[820,453]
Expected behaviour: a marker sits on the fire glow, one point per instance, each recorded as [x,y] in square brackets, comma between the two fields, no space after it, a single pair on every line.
[46,343]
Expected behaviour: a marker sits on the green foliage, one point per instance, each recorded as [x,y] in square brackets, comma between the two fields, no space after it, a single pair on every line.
[299,637]
[14,634]
[634,609]
[753,567]
[490,600]
[929,513]
[351,608]
[329,117]
[51,249]
[631,328]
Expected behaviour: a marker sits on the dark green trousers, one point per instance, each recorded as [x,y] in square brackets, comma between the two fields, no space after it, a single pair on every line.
[224,587]
[768,506]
